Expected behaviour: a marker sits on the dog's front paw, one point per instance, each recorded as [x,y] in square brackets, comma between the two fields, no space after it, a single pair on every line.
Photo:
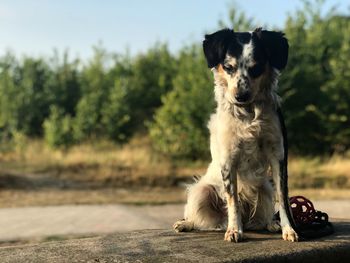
[232,235]
[183,226]
[289,234]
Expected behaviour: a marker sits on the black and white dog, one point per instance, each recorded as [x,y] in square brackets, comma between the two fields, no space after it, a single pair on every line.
[246,139]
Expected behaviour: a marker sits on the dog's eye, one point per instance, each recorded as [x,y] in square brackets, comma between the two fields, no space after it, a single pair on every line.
[229,68]
[256,70]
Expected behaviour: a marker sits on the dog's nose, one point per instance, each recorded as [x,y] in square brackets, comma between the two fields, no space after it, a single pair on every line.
[243,96]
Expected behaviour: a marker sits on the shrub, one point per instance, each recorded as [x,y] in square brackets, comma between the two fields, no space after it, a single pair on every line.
[179,127]
[58,129]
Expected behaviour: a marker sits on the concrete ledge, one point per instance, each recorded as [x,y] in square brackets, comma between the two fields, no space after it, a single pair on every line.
[167,246]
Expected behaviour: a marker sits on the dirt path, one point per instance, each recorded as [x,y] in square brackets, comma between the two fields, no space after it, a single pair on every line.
[51,221]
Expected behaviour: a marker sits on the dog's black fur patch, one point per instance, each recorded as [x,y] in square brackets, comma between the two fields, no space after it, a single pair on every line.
[268,46]
[215,46]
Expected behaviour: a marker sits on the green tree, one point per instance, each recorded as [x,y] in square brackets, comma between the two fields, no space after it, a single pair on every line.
[116,114]
[58,128]
[65,82]
[95,86]
[152,75]
[179,127]
[315,84]
[9,96]
[24,94]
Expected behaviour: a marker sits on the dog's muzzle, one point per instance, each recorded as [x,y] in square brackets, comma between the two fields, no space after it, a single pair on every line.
[243,97]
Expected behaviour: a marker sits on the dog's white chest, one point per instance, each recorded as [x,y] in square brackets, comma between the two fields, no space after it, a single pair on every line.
[253,162]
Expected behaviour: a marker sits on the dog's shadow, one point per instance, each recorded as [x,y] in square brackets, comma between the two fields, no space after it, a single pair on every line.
[341,232]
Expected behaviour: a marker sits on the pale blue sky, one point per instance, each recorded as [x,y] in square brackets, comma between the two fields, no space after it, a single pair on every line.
[36,27]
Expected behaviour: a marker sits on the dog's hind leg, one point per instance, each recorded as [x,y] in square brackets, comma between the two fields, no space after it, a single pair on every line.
[204,209]
[260,215]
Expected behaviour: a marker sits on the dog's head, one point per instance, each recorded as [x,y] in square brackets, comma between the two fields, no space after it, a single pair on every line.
[241,60]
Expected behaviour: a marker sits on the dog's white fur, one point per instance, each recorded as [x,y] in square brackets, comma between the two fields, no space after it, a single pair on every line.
[248,140]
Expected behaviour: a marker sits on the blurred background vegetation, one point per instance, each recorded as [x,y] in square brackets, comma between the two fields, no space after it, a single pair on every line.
[117,116]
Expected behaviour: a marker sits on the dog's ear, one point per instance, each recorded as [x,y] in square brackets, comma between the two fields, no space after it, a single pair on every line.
[276,47]
[215,46]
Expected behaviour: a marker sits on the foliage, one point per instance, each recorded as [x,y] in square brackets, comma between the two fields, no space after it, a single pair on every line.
[116,113]
[315,86]
[152,76]
[58,128]
[179,128]
[24,95]
[95,85]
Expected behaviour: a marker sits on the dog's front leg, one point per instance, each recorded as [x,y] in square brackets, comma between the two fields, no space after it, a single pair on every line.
[288,233]
[234,230]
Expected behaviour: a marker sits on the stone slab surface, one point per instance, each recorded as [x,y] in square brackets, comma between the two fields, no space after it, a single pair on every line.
[167,246]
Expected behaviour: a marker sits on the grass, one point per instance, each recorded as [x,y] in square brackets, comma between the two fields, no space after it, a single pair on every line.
[138,196]
[316,172]
[102,172]
[101,163]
